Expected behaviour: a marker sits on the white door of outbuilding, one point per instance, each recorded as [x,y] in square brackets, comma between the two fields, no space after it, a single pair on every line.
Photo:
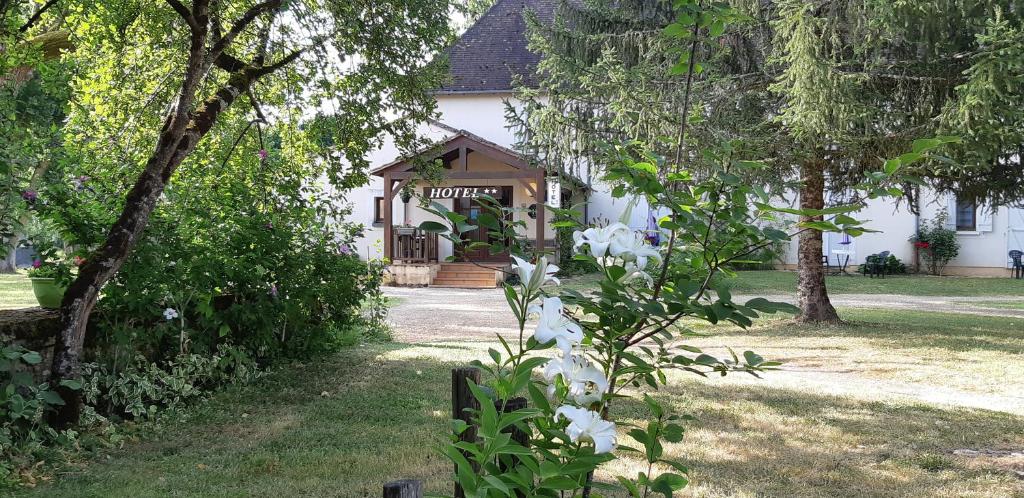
[1014,231]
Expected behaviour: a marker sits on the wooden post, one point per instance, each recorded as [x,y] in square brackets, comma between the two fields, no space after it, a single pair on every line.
[406,488]
[542,189]
[463,400]
[388,221]
[518,435]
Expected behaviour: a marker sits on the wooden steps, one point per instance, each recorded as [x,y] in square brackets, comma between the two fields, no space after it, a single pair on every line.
[464,276]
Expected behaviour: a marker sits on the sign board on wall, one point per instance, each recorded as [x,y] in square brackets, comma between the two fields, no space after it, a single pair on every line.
[554,193]
[461,192]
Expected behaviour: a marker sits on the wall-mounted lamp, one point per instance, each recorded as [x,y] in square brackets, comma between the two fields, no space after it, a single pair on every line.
[532,211]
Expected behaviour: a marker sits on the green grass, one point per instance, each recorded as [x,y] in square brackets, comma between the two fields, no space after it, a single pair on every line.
[16,291]
[1003,305]
[784,282]
[344,425]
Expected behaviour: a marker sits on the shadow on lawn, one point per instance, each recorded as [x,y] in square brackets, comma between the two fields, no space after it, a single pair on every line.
[758,440]
[343,425]
[954,332]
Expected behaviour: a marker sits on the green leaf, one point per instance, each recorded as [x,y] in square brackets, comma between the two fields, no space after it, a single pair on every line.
[433,227]
[51,398]
[668,483]
[31,357]
[717,28]
[673,433]
[74,385]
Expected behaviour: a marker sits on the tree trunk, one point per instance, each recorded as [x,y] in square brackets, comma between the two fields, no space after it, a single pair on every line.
[812,297]
[9,262]
[176,142]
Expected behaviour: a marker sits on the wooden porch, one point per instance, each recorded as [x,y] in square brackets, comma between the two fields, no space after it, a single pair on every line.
[412,245]
[419,247]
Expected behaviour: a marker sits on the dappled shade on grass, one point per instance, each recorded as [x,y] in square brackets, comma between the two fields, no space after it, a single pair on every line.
[385,414]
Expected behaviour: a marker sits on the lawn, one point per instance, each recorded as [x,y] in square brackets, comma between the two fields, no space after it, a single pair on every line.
[862,409]
[784,282]
[16,291]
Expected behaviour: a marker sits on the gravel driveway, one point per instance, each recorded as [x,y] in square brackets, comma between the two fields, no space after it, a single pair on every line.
[436,314]
[427,315]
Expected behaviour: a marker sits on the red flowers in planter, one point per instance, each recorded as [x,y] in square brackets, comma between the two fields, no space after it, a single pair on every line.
[921,245]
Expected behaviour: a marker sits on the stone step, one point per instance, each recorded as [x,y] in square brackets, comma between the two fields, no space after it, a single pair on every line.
[462,286]
[461,281]
[466,274]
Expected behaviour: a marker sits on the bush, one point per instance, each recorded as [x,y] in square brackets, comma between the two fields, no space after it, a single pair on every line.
[142,388]
[23,406]
[242,264]
[893,265]
[936,245]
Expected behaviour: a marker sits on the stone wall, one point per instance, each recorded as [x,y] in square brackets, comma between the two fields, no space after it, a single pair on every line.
[411,275]
[34,329]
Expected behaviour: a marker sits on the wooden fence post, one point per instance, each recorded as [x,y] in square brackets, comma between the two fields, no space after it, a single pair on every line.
[512,405]
[406,488]
[463,400]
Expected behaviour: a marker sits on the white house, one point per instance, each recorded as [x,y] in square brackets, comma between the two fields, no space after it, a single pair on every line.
[476,147]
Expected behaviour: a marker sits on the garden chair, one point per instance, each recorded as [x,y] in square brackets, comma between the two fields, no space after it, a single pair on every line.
[876,264]
[826,264]
[1017,269]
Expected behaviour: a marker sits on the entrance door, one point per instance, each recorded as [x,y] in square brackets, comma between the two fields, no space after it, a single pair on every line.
[471,209]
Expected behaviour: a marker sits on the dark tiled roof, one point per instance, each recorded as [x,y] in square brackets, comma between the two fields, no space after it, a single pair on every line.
[492,51]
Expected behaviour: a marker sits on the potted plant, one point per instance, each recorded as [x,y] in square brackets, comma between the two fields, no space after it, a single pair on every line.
[50,276]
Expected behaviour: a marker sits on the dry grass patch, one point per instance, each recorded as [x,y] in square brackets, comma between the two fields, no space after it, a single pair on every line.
[864,409]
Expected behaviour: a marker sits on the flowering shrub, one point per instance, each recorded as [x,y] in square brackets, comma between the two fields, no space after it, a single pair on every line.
[50,262]
[936,245]
[626,337]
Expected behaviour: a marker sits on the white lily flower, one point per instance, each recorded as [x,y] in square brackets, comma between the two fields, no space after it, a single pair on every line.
[586,383]
[633,247]
[535,276]
[588,426]
[170,313]
[554,325]
[598,238]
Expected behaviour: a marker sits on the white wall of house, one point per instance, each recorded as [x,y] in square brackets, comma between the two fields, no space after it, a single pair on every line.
[983,251]
[484,115]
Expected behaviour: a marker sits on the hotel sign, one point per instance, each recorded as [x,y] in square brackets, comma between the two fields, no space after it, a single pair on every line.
[461,192]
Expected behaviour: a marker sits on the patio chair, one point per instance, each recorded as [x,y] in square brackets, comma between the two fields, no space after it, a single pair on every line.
[876,264]
[825,264]
[1018,269]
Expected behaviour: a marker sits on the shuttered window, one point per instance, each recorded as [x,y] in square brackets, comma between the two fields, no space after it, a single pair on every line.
[966,216]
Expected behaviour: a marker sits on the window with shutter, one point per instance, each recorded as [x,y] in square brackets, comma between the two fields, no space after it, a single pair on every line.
[966,215]
[378,210]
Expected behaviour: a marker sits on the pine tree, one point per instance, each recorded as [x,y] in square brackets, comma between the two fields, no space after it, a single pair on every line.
[820,90]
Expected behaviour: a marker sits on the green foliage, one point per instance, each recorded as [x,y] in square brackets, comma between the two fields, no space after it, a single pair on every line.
[50,262]
[33,92]
[936,244]
[375,303]
[23,406]
[142,388]
[893,265]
